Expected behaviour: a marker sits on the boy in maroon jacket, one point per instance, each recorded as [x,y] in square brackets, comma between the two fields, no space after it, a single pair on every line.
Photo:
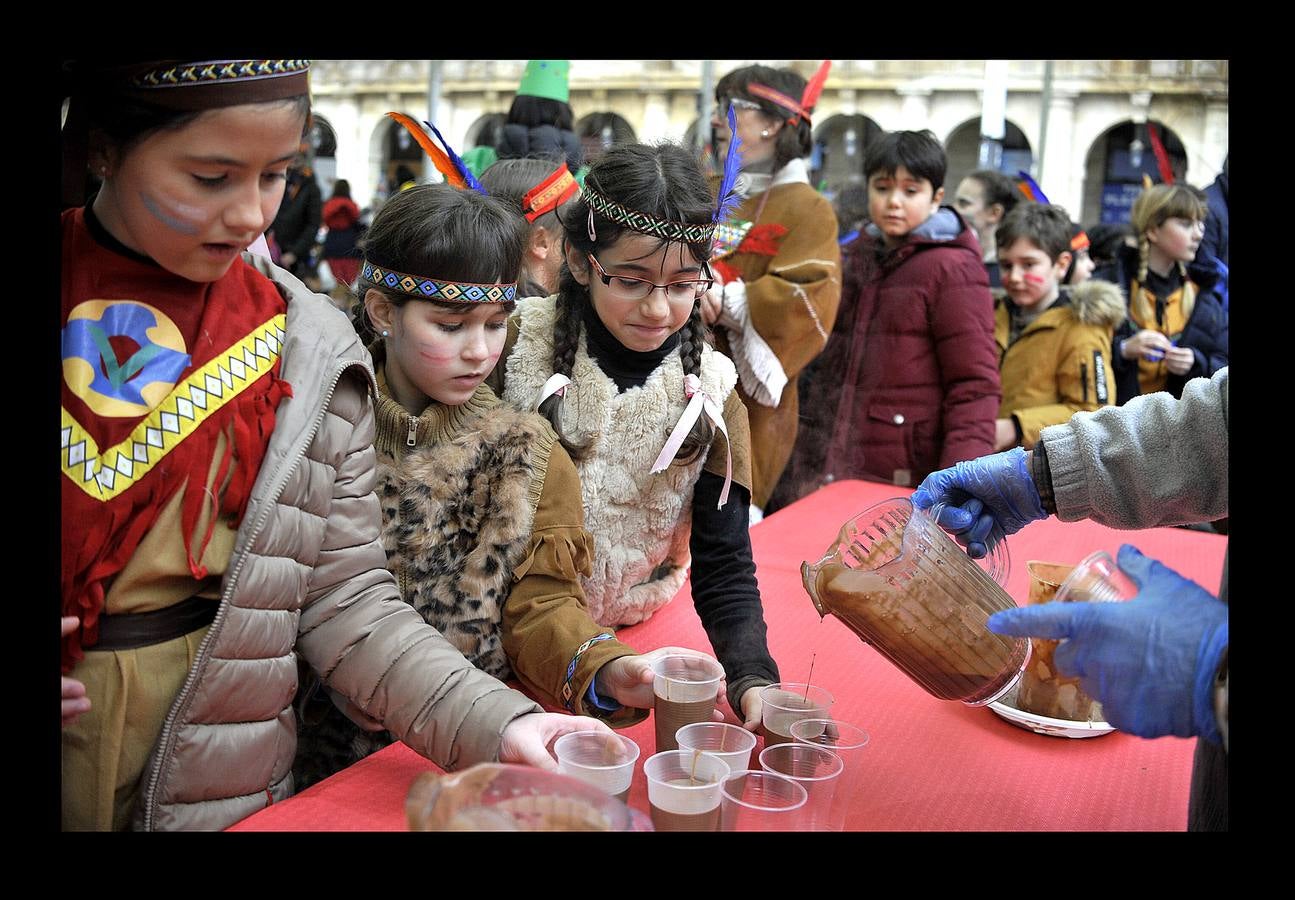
[910,374]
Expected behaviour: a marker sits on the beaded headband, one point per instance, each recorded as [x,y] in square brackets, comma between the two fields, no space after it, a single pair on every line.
[220,70]
[439,288]
[556,188]
[644,223]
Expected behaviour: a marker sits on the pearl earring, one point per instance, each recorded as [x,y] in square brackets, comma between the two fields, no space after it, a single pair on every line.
[764,133]
[386,333]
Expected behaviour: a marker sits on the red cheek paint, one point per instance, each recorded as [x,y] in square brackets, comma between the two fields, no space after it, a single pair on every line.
[434,354]
[1034,279]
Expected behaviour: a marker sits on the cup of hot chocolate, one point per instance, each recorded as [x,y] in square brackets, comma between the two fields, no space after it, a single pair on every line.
[684,789]
[685,689]
[786,703]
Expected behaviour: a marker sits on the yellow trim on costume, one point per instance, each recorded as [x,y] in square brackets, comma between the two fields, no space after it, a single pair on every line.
[190,402]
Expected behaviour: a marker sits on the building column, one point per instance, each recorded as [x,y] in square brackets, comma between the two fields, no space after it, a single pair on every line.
[656,117]
[1062,164]
[915,107]
[1215,140]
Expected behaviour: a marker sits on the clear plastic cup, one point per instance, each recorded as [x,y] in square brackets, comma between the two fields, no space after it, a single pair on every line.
[757,800]
[786,703]
[1097,579]
[604,760]
[846,741]
[1043,691]
[685,689]
[731,743]
[684,789]
[816,769]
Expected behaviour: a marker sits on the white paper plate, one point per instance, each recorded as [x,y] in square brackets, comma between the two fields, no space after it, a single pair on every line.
[1005,708]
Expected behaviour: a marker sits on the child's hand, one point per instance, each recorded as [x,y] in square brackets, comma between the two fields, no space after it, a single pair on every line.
[1004,434]
[1179,360]
[527,738]
[752,708]
[75,702]
[628,679]
[712,303]
[1146,343]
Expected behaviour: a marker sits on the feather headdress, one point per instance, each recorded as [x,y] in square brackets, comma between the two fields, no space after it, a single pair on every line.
[446,161]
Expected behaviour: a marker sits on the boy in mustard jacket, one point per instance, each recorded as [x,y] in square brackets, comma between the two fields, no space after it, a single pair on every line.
[1054,342]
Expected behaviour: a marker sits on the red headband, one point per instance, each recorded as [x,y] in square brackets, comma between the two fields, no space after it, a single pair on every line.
[552,192]
[1079,241]
[808,99]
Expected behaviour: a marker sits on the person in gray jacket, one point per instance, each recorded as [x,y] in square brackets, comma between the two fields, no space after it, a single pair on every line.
[1158,663]
[183,633]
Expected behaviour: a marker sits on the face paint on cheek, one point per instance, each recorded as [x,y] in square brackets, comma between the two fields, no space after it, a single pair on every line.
[436,354]
[1034,279]
[184,219]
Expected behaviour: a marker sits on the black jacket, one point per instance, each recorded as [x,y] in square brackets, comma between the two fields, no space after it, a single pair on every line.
[541,141]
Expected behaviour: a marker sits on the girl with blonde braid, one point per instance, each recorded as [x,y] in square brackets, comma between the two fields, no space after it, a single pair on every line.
[1176,329]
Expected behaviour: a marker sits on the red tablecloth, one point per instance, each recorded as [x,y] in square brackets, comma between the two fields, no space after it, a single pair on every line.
[931,764]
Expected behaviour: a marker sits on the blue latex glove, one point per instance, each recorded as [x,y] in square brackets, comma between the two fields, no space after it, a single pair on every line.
[980,494]
[1151,661]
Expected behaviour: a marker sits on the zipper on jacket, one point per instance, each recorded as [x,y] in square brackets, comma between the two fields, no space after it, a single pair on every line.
[1083,377]
[412,438]
[165,739]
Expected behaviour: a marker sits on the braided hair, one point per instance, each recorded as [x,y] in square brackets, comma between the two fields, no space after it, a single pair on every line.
[1152,209]
[665,181]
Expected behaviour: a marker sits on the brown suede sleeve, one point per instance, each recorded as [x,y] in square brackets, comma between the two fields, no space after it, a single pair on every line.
[545,618]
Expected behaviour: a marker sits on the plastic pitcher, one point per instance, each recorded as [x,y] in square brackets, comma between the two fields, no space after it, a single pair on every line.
[899,582]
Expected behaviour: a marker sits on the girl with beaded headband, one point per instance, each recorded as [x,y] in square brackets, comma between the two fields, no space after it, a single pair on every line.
[618,361]
[218,519]
[481,507]
[778,275]
[1176,328]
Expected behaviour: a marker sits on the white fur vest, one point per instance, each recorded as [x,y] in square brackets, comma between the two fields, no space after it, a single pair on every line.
[640,522]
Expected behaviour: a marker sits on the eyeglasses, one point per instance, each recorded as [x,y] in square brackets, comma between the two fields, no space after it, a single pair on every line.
[723,103]
[624,287]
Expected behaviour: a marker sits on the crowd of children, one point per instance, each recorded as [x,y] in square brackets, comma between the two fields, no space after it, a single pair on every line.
[310,537]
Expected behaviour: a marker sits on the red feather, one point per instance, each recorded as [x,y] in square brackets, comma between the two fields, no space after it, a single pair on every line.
[439,157]
[815,86]
[763,239]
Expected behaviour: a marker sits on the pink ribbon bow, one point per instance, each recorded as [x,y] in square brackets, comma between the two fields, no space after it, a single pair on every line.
[698,402]
[557,384]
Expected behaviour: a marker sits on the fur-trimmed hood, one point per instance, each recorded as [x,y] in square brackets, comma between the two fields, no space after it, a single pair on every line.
[1098,302]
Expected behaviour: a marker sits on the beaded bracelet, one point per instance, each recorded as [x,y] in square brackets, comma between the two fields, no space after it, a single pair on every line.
[568,694]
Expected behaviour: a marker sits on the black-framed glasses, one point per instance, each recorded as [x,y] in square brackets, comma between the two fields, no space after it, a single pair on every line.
[626,287]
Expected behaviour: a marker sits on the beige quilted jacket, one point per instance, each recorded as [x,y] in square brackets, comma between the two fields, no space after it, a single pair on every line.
[308,575]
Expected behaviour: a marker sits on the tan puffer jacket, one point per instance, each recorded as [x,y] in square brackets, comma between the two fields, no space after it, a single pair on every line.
[309,575]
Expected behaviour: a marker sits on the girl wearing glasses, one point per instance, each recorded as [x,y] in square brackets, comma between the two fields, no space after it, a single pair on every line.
[481,510]
[617,360]
[778,279]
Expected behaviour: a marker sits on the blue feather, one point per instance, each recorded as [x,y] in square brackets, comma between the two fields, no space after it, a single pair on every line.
[728,198]
[468,177]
